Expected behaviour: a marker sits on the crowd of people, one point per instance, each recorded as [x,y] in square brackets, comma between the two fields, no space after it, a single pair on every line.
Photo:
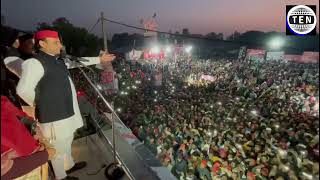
[252,120]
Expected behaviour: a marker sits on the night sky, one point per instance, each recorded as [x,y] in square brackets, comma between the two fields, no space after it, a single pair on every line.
[199,16]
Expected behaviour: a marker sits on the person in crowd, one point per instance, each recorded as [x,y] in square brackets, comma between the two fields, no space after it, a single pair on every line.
[13,61]
[9,48]
[26,47]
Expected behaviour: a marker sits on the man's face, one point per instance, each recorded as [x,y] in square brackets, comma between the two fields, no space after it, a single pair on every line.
[51,45]
[27,46]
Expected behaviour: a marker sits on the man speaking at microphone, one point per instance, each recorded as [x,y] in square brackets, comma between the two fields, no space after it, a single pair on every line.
[46,84]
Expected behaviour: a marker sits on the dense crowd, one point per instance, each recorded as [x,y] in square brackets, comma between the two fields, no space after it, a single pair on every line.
[251,120]
[256,120]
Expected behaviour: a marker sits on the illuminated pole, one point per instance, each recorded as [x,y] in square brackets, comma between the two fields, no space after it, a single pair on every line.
[105,45]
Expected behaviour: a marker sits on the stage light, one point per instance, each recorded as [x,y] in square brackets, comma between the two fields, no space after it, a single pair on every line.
[276,43]
[155,49]
[168,49]
[188,49]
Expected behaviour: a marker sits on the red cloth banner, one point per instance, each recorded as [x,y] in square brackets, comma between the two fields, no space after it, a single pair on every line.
[149,55]
[178,49]
[107,81]
[292,57]
[106,77]
[256,54]
[310,57]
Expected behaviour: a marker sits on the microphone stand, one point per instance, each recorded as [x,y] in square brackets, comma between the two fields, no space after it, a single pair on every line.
[118,169]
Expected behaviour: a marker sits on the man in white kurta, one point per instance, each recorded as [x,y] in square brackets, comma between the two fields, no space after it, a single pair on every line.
[61,131]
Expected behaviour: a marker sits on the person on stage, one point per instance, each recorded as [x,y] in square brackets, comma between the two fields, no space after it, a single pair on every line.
[46,84]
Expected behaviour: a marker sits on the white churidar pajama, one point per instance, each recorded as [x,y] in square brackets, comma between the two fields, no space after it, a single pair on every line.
[60,132]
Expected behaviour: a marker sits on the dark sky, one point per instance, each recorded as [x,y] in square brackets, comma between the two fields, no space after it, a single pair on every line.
[200,16]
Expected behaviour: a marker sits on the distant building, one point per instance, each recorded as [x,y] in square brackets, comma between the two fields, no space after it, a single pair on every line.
[150,37]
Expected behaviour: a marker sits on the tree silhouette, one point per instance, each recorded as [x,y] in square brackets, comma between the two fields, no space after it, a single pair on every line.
[185,32]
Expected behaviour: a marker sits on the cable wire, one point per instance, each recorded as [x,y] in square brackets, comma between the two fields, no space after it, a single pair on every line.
[94,25]
[193,37]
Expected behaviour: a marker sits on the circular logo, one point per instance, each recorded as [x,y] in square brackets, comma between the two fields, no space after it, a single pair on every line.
[301,19]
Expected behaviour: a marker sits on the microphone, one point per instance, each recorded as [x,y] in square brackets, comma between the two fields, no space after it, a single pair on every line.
[74,58]
[63,55]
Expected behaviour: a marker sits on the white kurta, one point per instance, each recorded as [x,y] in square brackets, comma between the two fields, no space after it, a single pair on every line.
[14,63]
[61,131]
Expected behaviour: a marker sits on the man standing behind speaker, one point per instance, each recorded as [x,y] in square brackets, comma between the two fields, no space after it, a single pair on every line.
[45,83]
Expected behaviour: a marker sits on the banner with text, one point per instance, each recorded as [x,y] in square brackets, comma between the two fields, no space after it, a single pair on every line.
[275,56]
[256,54]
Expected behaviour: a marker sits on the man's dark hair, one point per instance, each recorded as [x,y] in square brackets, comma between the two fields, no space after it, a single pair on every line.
[37,45]
[25,37]
[8,36]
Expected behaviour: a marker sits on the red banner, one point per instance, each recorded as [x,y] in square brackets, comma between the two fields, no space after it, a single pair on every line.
[292,57]
[310,57]
[107,81]
[256,54]
[106,77]
[149,55]
[178,49]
